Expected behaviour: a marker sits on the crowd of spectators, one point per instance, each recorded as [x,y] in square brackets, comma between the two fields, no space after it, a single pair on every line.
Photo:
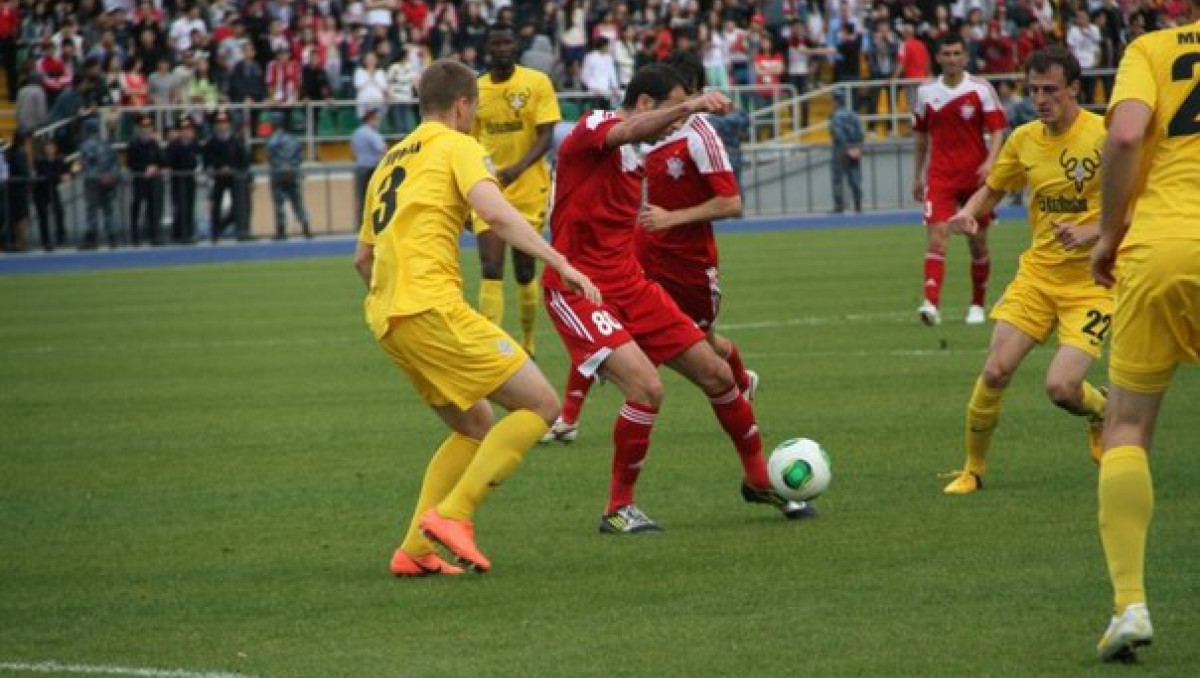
[65,59]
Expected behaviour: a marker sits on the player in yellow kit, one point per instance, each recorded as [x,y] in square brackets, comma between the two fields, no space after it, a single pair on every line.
[417,202]
[1058,157]
[515,123]
[1152,259]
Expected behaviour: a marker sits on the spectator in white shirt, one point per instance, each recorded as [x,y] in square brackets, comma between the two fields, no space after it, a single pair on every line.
[370,85]
[181,28]
[1083,39]
[599,72]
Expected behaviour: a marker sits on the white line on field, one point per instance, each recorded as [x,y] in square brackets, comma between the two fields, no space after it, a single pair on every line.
[140,672]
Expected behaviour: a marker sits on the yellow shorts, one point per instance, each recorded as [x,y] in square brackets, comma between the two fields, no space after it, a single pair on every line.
[452,354]
[1156,324]
[534,213]
[1082,312]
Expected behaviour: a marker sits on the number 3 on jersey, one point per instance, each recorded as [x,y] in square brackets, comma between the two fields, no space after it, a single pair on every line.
[604,322]
[388,188]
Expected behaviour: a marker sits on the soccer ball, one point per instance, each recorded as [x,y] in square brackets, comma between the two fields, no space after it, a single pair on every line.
[799,469]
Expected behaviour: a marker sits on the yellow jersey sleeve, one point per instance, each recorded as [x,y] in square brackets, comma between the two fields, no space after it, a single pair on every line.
[469,164]
[547,102]
[1135,78]
[1008,174]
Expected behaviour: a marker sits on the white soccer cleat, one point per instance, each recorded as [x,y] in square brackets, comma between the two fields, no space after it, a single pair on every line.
[929,313]
[560,432]
[752,389]
[1125,634]
[976,315]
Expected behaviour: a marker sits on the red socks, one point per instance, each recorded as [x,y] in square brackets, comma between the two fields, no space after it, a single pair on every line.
[980,269]
[576,392]
[737,418]
[935,272]
[631,439]
[739,370]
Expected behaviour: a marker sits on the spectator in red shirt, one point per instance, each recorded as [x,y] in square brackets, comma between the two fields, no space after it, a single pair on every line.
[9,29]
[56,74]
[1029,41]
[998,50]
[283,78]
[417,14]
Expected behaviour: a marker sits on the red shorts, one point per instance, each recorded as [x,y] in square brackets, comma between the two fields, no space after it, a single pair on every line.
[642,313]
[942,202]
[698,296]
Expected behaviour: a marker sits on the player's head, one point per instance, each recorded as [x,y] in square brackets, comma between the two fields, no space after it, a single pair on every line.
[501,47]
[1052,79]
[447,91]
[652,87]
[687,65]
[952,55]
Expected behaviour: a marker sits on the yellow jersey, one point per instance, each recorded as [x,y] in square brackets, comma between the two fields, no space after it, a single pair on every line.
[1063,175]
[506,123]
[1162,70]
[413,214]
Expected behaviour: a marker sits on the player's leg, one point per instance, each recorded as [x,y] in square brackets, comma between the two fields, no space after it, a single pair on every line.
[529,294]
[1009,347]
[1126,498]
[981,268]
[565,429]
[635,375]
[491,273]
[417,555]
[1068,388]
[934,270]
[747,380]
[531,405]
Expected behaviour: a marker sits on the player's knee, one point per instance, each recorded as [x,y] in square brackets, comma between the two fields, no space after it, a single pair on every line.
[646,389]
[476,423]
[997,375]
[717,377]
[1065,393]
[546,405]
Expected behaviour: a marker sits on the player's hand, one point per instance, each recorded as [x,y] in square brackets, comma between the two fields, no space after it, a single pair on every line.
[918,192]
[1075,236]
[710,102]
[580,283]
[963,222]
[1104,256]
[654,218]
[507,175]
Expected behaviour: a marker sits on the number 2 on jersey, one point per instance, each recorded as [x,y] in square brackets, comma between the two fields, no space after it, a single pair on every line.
[1185,121]
[382,216]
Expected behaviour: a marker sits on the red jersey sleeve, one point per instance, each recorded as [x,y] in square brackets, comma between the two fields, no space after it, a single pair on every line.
[591,134]
[710,158]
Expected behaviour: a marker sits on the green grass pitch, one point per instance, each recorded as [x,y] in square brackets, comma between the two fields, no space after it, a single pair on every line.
[206,468]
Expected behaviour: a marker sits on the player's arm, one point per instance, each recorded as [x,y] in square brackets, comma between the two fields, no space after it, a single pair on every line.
[545,137]
[655,218]
[364,261]
[995,143]
[920,153]
[489,203]
[1118,172]
[981,202]
[650,125]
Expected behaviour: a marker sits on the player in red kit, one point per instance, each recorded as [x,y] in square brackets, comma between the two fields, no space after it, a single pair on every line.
[951,119]
[638,326]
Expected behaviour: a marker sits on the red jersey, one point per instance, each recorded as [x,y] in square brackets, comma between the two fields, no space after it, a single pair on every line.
[688,168]
[597,194]
[914,59]
[956,121]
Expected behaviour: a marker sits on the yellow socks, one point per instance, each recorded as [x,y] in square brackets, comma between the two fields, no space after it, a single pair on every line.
[500,452]
[1093,402]
[530,295]
[491,300]
[982,413]
[442,474]
[1126,506]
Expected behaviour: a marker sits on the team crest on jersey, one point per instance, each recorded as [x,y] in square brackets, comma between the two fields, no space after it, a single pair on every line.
[504,346]
[517,99]
[1079,170]
[968,111]
[675,168]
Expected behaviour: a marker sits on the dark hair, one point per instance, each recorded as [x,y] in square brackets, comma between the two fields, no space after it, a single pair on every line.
[656,81]
[951,39]
[687,65]
[500,28]
[443,83]
[1043,59]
